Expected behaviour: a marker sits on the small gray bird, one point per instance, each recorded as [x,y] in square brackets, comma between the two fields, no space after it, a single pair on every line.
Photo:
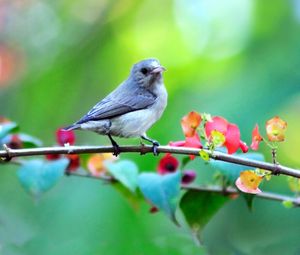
[132,108]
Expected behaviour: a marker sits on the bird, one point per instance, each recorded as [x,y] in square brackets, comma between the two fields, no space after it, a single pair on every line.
[132,108]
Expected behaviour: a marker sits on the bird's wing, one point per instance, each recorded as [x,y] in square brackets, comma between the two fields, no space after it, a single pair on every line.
[113,106]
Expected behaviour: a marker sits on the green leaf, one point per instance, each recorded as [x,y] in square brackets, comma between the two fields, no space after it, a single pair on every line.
[185,161]
[38,176]
[232,171]
[199,207]
[162,191]
[7,128]
[249,200]
[125,171]
[132,198]
[288,204]
[204,155]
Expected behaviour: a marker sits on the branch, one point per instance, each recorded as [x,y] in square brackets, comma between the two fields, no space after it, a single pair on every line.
[276,169]
[218,189]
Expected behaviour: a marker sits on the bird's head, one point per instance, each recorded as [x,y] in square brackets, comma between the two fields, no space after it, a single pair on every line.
[147,72]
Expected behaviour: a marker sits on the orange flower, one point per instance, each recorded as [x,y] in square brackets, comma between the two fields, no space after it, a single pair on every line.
[275,128]
[248,182]
[190,122]
[96,162]
[256,138]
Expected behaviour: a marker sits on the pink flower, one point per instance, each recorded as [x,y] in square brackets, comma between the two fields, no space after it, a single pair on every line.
[65,137]
[230,131]
[256,138]
[192,142]
[188,176]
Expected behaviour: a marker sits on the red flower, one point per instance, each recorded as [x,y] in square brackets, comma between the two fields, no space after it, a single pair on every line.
[52,156]
[230,131]
[15,142]
[153,209]
[167,164]
[188,176]
[65,137]
[74,162]
[191,142]
[256,138]
[190,122]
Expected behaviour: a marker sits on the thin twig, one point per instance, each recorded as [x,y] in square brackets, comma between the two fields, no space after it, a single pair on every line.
[274,168]
[233,191]
[218,189]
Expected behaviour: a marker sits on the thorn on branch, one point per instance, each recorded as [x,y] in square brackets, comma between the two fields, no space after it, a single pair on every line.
[8,156]
[276,164]
[143,149]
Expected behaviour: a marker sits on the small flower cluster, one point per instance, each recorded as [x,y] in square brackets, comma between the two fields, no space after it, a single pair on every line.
[215,131]
[275,129]
[95,163]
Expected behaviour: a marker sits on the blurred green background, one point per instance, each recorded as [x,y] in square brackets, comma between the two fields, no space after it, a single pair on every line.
[237,58]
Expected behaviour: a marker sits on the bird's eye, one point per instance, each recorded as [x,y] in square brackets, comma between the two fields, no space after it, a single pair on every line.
[144,70]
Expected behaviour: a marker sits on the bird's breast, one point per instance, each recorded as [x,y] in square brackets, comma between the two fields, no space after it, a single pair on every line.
[136,123]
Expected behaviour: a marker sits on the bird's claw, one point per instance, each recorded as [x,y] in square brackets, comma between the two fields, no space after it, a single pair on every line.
[155,145]
[117,150]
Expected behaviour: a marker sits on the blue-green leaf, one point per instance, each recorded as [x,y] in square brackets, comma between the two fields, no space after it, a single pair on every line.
[232,171]
[125,171]
[27,140]
[7,128]
[162,191]
[37,176]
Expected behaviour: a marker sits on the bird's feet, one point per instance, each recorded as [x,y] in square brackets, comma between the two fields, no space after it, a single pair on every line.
[116,147]
[155,145]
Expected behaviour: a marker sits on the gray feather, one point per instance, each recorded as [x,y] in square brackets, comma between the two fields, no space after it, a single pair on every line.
[119,102]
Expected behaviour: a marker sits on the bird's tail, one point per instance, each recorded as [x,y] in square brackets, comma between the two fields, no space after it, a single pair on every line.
[72,127]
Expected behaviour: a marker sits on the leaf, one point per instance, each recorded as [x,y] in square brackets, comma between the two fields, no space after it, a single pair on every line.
[162,191]
[199,207]
[38,176]
[288,204]
[30,141]
[125,171]
[132,198]
[204,155]
[27,140]
[7,128]
[185,161]
[232,171]
[249,200]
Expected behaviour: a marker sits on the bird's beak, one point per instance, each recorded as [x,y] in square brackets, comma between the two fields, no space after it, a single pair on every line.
[158,69]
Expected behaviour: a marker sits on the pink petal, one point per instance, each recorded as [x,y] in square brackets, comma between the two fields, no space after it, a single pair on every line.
[242,188]
[244,147]
[218,123]
[177,143]
[232,137]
